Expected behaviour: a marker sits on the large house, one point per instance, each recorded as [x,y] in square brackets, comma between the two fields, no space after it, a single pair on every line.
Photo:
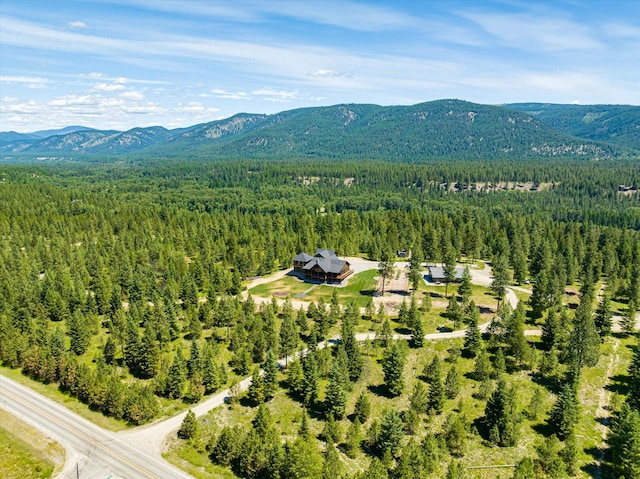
[324,266]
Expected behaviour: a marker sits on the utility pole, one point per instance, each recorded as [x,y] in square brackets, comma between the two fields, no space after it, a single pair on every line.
[77,471]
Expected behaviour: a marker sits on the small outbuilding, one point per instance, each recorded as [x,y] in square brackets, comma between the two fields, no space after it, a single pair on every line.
[436,273]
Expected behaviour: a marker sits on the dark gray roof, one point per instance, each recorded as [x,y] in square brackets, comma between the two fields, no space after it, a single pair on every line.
[326,253]
[303,257]
[333,265]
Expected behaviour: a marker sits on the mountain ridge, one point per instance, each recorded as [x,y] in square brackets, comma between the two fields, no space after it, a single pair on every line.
[436,129]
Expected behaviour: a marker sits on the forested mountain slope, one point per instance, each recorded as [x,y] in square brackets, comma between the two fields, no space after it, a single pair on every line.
[617,124]
[450,129]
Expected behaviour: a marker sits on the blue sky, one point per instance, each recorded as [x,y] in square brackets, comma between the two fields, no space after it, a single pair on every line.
[124,63]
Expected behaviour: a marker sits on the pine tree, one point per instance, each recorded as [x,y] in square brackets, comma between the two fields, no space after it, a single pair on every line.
[384,336]
[435,403]
[415,272]
[256,392]
[628,322]
[227,445]
[465,289]
[603,317]
[149,360]
[176,377]
[288,335]
[109,350]
[348,341]
[584,342]
[473,337]
[386,268]
[331,432]
[570,454]
[449,269]
[362,408]
[433,370]
[500,277]
[500,415]
[452,383]
[624,440]
[189,427]
[353,439]
[403,314]
[79,333]
[310,385]
[392,366]
[270,368]
[552,330]
[565,412]
[419,399]
[518,346]
[391,433]
[633,396]
[336,393]
[331,466]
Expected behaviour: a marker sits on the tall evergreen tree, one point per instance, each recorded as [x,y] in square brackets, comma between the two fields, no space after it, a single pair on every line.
[465,289]
[603,317]
[449,270]
[270,368]
[392,366]
[565,412]
[500,416]
[336,393]
[584,342]
[624,440]
[348,341]
[473,337]
[288,334]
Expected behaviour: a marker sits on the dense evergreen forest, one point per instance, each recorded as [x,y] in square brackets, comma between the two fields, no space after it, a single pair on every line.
[120,283]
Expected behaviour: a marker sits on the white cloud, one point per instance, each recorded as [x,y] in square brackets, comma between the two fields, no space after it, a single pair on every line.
[23,79]
[533,32]
[330,74]
[269,94]
[623,30]
[9,99]
[195,107]
[95,75]
[231,95]
[132,95]
[77,25]
[108,87]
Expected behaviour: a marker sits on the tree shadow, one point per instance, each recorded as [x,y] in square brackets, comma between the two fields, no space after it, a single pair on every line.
[543,428]
[594,469]
[380,390]
[402,330]
[619,384]
[368,292]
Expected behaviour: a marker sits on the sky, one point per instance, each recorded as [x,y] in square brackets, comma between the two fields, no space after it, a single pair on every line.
[118,64]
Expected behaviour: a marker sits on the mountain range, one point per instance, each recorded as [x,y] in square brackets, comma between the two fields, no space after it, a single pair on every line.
[439,129]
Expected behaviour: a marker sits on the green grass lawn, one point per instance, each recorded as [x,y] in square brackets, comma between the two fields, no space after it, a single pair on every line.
[359,289]
[289,285]
[25,452]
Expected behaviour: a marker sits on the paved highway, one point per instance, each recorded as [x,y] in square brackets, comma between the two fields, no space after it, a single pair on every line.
[92,452]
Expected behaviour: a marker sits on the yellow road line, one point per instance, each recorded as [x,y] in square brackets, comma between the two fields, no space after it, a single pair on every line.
[81,434]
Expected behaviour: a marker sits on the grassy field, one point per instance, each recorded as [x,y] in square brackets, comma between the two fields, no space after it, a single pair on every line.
[25,452]
[359,289]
